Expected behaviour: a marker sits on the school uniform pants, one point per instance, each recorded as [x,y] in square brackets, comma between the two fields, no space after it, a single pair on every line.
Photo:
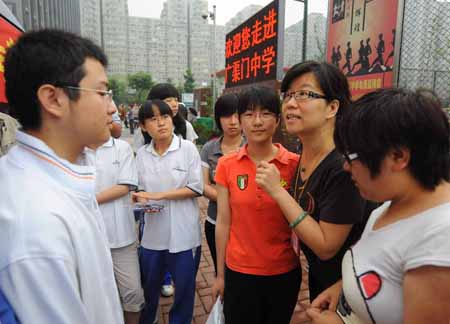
[255,299]
[183,266]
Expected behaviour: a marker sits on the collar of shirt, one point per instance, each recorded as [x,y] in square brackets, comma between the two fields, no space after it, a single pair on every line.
[34,153]
[109,143]
[282,154]
[174,145]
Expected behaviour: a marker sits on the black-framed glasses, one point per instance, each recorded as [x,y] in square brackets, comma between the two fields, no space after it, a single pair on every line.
[350,157]
[301,95]
[107,94]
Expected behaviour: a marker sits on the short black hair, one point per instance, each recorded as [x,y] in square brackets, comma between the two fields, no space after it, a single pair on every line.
[41,57]
[398,118]
[162,91]
[225,106]
[146,111]
[331,80]
[261,97]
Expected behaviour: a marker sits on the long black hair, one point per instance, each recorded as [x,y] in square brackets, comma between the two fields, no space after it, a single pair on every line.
[163,91]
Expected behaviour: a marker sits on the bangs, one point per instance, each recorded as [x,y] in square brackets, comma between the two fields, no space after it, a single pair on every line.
[259,97]
[146,111]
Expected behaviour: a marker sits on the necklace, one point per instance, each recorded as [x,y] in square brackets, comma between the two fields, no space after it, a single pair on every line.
[300,170]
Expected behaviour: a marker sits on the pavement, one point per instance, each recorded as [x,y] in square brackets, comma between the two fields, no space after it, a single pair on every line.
[205,278]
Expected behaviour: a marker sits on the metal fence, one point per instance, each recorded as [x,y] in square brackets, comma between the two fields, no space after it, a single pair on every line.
[425,48]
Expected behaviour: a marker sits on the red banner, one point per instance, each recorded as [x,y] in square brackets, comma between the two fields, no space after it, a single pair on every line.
[8,35]
[361,42]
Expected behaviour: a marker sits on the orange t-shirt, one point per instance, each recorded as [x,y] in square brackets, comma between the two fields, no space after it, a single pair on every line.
[260,237]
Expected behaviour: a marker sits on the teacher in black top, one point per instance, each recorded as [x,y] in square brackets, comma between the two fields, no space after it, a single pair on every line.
[324,208]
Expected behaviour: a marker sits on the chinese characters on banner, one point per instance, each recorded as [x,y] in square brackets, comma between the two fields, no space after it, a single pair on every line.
[361,42]
[251,48]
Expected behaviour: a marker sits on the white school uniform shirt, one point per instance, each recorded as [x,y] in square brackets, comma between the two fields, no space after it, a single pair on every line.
[55,263]
[176,227]
[191,135]
[115,165]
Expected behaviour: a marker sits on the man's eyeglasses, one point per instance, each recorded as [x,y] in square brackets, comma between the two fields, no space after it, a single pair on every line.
[301,95]
[107,94]
[350,157]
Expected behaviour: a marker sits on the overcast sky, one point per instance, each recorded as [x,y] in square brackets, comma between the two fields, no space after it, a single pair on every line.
[226,9]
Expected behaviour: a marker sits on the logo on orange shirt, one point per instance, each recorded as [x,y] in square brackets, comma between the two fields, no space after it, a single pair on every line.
[242,181]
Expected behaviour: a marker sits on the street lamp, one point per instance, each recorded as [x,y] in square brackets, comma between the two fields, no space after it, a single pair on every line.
[305,27]
[212,16]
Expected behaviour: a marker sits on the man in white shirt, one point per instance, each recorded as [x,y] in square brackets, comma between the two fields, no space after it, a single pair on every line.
[116,176]
[55,262]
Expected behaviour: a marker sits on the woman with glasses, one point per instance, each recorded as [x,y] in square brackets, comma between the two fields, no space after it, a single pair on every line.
[323,207]
[169,172]
[258,272]
[397,147]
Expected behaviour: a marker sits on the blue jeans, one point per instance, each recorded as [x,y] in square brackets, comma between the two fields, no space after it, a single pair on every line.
[183,266]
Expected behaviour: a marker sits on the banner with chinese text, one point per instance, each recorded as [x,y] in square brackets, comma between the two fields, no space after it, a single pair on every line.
[251,49]
[361,42]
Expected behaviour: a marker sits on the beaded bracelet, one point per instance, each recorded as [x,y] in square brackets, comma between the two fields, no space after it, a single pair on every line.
[297,221]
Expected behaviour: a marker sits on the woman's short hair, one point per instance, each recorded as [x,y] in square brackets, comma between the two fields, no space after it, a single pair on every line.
[259,97]
[331,80]
[397,118]
[225,106]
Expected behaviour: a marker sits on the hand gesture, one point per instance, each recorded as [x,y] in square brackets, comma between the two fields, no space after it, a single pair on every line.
[329,298]
[268,177]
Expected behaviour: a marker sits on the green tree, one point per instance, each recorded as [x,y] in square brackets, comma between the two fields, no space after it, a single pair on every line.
[142,83]
[119,87]
[189,82]
[180,88]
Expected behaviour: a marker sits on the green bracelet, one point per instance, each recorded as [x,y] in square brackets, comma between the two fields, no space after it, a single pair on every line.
[298,219]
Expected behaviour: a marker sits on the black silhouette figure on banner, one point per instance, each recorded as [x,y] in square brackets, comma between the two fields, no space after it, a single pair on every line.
[367,53]
[380,51]
[338,56]
[361,52]
[333,57]
[391,54]
[348,57]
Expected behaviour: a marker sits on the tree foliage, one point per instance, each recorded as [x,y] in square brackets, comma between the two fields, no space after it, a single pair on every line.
[119,87]
[141,82]
[189,82]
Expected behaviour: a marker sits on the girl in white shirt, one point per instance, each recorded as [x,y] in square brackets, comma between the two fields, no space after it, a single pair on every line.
[169,170]
[396,145]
